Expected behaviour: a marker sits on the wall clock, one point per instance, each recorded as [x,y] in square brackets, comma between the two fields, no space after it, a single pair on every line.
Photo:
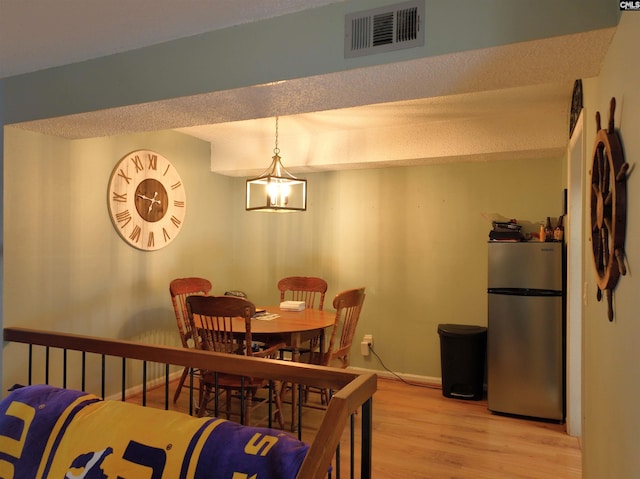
[608,208]
[146,200]
[576,105]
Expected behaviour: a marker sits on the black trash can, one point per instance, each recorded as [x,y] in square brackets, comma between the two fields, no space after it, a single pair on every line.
[463,350]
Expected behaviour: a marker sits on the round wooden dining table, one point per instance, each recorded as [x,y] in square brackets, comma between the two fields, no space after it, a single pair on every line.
[295,327]
[292,327]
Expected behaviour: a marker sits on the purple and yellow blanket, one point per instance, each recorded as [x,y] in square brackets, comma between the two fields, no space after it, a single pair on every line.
[47,432]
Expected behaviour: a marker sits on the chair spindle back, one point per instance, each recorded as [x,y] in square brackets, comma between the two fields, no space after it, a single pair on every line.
[303,288]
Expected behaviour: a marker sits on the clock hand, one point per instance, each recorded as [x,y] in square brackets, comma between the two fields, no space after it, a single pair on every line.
[153,200]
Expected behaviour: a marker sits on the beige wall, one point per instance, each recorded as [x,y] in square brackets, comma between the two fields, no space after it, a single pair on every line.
[611,429]
[414,236]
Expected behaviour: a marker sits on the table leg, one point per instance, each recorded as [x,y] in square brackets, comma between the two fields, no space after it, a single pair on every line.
[295,356]
[295,340]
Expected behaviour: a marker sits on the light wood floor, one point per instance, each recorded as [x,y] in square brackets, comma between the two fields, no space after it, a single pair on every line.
[419,434]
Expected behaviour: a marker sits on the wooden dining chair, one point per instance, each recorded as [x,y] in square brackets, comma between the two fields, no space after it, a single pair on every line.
[212,322]
[180,289]
[348,305]
[309,289]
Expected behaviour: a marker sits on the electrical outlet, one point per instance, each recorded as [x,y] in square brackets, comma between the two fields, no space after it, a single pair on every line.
[365,344]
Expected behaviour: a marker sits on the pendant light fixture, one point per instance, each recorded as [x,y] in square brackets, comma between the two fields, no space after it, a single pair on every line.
[276,189]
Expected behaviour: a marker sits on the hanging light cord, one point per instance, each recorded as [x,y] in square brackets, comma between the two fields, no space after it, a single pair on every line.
[276,150]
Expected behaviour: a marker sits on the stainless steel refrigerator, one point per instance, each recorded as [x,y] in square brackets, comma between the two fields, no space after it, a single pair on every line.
[525,336]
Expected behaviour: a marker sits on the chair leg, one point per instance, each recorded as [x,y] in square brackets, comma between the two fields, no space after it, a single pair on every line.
[246,402]
[180,385]
[247,408]
[278,401]
[324,397]
[228,394]
[323,393]
[283,389]
[205,397]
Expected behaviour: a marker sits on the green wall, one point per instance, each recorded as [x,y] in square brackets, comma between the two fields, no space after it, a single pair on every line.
[611,426]
[66,268]
[415,237]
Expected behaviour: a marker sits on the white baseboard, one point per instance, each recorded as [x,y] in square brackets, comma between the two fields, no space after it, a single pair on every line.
[414,378]
[137,389]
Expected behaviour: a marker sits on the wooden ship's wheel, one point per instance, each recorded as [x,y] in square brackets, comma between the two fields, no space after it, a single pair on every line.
[608,208]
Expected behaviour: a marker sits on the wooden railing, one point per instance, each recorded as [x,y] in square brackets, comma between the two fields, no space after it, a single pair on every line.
[352,392]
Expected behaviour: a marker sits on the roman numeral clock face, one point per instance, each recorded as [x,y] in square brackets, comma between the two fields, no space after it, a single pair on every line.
[147,201]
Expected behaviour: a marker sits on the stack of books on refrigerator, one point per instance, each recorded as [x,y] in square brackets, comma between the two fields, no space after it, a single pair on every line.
[505,231]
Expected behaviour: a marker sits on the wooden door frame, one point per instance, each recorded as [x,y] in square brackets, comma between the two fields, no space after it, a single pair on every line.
[575,239]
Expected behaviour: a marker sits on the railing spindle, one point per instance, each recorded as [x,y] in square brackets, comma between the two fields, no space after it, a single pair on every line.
[64,368]
[102,378]
[30,364]
[366,454]
[84,370]
[46,365]
[166,386]
[352,447]
[144,383]
[123,379]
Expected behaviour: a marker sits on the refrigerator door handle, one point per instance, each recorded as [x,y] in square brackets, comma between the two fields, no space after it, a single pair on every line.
[524,292]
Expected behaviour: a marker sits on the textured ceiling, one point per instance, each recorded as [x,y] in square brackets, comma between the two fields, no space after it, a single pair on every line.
[505,102]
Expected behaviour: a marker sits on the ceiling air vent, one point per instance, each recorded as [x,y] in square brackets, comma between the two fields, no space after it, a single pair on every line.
[385,29]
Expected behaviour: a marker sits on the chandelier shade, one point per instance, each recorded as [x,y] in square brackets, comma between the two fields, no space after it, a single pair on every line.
[276,189]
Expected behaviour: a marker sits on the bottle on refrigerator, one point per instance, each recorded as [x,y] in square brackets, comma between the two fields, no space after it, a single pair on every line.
[548,230]
[558,232]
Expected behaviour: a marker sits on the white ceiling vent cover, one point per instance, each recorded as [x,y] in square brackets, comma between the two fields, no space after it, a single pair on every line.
[384,29]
